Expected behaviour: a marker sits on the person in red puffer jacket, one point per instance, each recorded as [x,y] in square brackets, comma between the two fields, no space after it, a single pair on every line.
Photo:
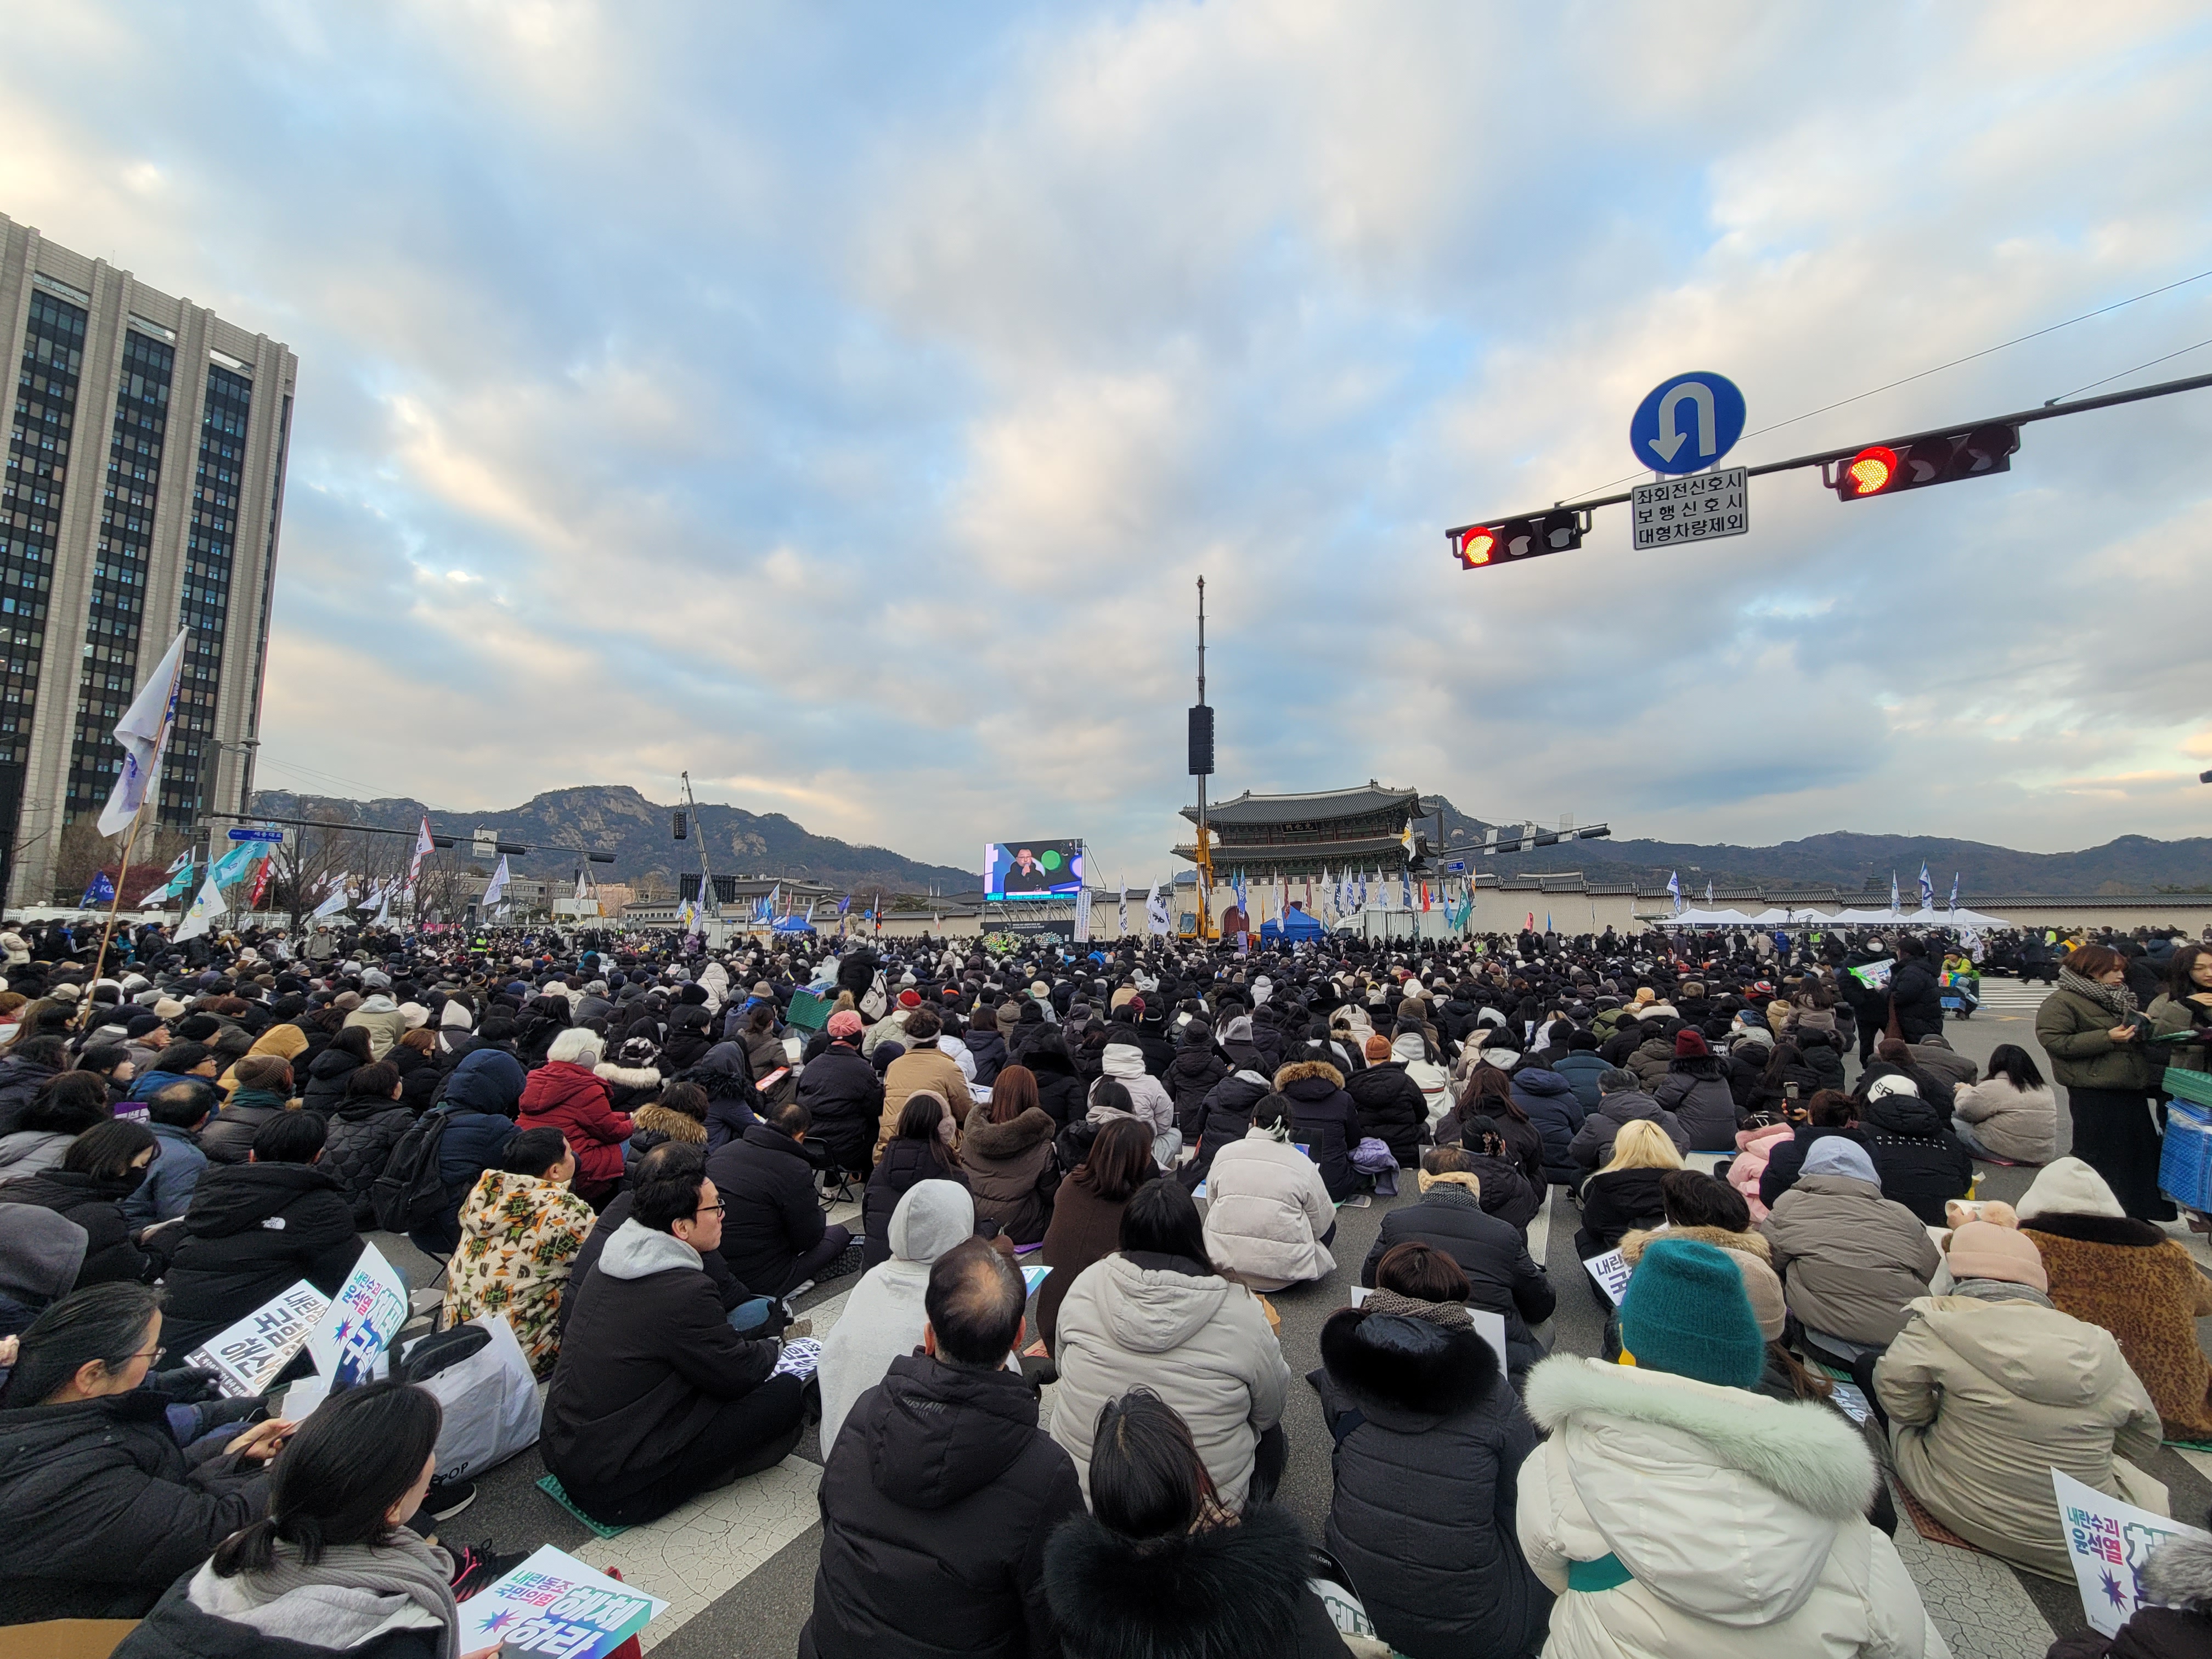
[566,1094]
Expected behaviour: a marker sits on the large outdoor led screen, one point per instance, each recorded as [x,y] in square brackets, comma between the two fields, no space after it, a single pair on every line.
[1031,869]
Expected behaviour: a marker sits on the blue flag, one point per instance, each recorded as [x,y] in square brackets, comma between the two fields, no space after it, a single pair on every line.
[102,891]
[844,904]
[1955,890]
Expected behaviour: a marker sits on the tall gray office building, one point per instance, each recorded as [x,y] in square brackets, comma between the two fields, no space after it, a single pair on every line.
[143,490]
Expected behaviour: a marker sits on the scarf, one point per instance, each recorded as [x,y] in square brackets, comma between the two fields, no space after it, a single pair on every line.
[2001,1290]
[406,1566]
[2115,999]
[1452,1315]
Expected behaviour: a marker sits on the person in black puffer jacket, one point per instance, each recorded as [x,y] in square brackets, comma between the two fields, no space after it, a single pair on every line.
[1696,1093]
[104,1508]
[254,1229]
[1323,1120]
[1491,1252]
[103,1166]
[940,1492]
[843,1096]
[1506,1192]
[1625,1195]
[1552,1106]
[1921,1163]
[1060,1090]
[1391,1106]
[918,1152]
[325,1085]
[1191,1075]
[1429,1438]
[1224,1116]
[363,1130]
[1916,995]
[987,1047]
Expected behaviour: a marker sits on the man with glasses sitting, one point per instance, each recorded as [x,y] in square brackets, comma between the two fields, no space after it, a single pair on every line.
[655,1399]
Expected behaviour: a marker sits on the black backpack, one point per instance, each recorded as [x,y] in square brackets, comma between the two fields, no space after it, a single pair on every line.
[409,1194]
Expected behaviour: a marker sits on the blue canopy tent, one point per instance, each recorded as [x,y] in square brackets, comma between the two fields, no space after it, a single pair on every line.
[1295,924]
[792,925]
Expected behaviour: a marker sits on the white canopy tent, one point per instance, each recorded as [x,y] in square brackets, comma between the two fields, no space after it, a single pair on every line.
[1707,919]
[1781,918]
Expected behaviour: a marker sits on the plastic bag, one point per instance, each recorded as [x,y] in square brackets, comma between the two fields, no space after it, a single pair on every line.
[479,1375]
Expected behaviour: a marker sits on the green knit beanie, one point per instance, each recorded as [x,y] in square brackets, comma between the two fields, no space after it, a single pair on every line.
[1686,1312]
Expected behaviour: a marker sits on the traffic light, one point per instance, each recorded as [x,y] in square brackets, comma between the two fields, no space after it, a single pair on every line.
[1880,470]
[1512,540]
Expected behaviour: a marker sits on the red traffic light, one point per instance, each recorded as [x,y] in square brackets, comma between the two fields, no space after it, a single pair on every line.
[1880,470]
[1477,546]
[1870,472]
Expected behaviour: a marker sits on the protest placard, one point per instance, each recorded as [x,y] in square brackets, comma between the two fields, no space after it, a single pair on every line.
[2109,1541]
[246,1356]
[367,1313]
[1610,1270]
[555,1607]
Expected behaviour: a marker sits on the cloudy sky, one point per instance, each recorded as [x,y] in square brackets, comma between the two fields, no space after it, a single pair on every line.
[841,401]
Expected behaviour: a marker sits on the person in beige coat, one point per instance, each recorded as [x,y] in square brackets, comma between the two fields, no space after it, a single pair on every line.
[2011,1114]
[1269,1217]
[923,1065]
[1850,1260]
[1989,1388]
[1156,1315]
[379,1015]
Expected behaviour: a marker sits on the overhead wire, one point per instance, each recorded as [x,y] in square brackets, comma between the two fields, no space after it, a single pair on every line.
[1922,374]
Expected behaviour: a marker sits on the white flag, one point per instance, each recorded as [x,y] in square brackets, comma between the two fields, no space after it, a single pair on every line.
[336,902]
[1083,915]
[580,893]
[205,909]
[1125,910]
[496,886]
[383,909]
[143,732]
[1156,912]
[423,847]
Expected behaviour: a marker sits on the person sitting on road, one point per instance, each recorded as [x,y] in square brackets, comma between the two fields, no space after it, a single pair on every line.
[655,1399]
[1164,1547]
[1503,1277]
[1851,1261]
[1268,1217]
[774,1235]
[105,1507]
[520,1230]
[1625,1195]
[938,1492]
[1621,1100]
[1429,1438]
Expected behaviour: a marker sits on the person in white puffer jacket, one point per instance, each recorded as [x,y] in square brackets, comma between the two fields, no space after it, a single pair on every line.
[1268,1217]
[1435,1082]
[1675,1513]
[1123,1063]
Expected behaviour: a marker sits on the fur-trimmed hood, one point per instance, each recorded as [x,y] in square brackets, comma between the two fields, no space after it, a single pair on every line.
[1650,1459]
[1405,1373]
[1001,1141]
[1299,1070]
[667,1120]
[1228,1592]
[1751,1243]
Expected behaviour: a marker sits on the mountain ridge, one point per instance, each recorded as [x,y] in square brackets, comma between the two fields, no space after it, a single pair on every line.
[619,820]
[1853,860]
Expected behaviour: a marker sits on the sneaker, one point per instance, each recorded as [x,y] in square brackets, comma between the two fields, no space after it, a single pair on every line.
[478,1566]
[799,1290]
[447,1498]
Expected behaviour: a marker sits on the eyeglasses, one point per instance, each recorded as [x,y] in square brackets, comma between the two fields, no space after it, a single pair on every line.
[716,1209]
[153,1359]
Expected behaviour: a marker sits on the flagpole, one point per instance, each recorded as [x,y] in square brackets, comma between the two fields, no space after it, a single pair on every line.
[131,840]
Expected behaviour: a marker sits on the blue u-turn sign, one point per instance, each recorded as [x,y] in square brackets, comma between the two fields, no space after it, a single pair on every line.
[1687,423]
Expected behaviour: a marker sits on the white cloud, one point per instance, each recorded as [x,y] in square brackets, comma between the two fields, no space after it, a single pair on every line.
[840,405]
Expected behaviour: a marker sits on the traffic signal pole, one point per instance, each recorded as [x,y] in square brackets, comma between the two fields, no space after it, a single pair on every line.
[1826,458]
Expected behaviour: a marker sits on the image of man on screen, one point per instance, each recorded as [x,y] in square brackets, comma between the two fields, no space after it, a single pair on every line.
[1028,876]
